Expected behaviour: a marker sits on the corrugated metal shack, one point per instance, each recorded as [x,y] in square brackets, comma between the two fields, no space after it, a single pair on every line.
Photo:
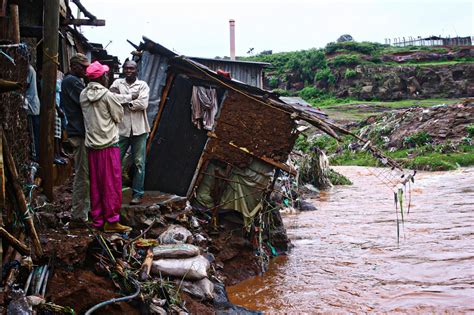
[230,166]
[248,72]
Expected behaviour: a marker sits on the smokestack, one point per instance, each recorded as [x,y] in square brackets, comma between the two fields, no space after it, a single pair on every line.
[232,39]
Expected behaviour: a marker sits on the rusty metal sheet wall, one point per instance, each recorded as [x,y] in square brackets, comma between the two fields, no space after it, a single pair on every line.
[249,74]
[152,69]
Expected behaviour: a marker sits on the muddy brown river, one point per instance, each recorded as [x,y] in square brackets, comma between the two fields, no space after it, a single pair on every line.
[346,258]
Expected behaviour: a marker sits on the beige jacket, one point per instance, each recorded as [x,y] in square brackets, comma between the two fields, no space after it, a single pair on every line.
[135,121]
[102,114]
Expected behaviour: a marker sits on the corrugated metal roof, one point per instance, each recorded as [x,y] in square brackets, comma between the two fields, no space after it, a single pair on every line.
[243,62]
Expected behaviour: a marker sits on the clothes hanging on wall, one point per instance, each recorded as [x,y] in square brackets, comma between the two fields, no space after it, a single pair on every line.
[203,107]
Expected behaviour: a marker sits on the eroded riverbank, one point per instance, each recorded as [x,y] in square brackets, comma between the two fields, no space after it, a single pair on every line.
[346,257]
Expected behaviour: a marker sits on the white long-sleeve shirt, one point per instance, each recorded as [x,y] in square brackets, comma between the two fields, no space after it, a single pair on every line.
[135,121]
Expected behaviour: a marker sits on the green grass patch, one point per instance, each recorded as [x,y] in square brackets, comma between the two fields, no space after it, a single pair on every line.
[337,178]
[419,159]
[431,63]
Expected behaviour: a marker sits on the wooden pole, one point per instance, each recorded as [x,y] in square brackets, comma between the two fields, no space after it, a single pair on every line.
[15,18]
[164,96]
[2,199]
[48,95]
[13,241]
[20,197]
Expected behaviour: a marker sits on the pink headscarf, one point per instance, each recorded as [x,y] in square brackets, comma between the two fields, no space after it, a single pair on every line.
[96,70]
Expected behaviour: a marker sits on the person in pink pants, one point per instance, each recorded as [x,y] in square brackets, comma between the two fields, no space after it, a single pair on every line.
[102,113]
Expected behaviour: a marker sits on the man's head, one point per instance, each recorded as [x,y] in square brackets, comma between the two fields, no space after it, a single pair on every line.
[130,71]
[97,72]
[78,64]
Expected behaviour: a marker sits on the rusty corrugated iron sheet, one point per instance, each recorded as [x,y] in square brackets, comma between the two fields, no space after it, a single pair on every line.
[250,73]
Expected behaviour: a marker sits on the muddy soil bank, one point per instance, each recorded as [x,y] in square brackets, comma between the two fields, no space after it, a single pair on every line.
[346,257]
[79,281]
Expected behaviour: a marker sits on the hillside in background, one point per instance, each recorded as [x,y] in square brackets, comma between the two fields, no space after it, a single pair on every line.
[370,71]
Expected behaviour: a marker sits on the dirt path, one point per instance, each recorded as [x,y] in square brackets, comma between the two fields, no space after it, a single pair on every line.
[346,257]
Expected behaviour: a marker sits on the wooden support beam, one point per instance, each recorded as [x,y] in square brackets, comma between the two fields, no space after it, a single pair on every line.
[20,197]
[84,10]
[13,241]
[2,178]
[164,96]
[48,95]
[2,199]
[81,22]
[15,23]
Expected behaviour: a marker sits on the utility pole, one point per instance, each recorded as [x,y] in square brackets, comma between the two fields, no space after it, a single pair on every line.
[48,95]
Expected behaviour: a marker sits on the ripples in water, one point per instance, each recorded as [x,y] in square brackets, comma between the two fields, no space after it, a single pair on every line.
[346,257]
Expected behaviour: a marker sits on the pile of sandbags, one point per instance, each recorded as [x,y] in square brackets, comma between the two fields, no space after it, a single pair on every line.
[177,259]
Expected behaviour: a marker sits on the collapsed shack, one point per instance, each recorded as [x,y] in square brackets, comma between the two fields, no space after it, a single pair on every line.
[228,165]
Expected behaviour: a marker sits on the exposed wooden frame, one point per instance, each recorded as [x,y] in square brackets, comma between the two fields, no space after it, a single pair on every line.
[164,96]
[81,22]
[268,160]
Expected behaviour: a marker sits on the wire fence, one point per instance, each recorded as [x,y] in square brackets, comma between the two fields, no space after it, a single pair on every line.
[429,41]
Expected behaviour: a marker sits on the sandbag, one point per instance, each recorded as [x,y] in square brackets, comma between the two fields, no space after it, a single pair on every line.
[175,251]
[175,234]
[194,268]
[202,289]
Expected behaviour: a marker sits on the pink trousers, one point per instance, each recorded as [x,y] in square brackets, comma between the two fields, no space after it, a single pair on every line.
[105,172]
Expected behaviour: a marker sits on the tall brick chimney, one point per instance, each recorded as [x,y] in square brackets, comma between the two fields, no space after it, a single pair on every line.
[232,38]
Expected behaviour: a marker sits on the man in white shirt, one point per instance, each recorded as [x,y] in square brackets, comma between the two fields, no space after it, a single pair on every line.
[133,94]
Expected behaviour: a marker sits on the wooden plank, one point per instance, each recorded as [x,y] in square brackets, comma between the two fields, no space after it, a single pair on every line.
[17,244]
[82,22]
[2,176]
[3,8]
[48,96]
[15,23]
[20,198]
[164,96]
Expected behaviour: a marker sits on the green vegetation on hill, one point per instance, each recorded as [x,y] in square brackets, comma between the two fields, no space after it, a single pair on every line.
[317,75]
[421,156]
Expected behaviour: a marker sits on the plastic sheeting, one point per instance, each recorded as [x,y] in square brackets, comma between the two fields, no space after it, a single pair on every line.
[152,69]
[243,191]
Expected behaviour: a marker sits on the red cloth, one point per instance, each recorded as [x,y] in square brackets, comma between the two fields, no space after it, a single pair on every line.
[105,172]
[223,73]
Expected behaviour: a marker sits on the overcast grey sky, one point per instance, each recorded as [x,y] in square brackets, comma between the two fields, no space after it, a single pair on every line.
[201,28]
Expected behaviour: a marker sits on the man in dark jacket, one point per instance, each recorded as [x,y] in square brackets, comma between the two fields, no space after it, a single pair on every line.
[71,88]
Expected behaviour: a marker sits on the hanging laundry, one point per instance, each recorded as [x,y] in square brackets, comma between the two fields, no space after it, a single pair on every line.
[203,107]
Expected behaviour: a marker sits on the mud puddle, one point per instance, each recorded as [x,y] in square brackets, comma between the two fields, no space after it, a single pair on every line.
[346,257]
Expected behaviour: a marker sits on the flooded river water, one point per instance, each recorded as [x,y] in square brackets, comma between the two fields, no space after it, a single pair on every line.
[346,258]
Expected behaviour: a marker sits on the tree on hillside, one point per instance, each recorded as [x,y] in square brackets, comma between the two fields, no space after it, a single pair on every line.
[345,38]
